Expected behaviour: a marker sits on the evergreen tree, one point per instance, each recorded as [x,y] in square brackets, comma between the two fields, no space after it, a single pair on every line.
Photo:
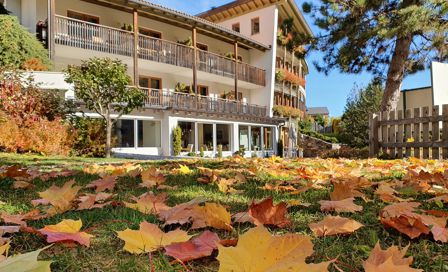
[390,38]
[3,10]
[355,120]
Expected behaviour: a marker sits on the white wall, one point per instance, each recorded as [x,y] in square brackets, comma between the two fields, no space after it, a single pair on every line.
[439,75]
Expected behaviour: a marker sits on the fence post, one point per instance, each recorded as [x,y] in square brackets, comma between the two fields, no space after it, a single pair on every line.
[435,133]
[373,135]
[400,135]
[445,131]
[417,132]
[384,131]
[408,131]
[392,135]
[425,134]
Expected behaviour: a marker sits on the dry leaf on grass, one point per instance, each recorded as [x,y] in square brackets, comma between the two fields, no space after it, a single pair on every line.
[257,250]
[152,177]
[94,201]
[265,213]
[210,215]
[334,225]
[343,190]
[60,197]
[345,205]
[149,238]
[196,248]
[178,214]
[20,219]
[103,184]
[149,203]
[389,260]
[67,231]
[25,263]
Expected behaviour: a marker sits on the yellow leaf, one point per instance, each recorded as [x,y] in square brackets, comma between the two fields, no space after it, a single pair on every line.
[184,170]
[257,250]
[4,251]
[60,197]
[389,260]
[150,238]
[25,263]
[148,203]
[211,215]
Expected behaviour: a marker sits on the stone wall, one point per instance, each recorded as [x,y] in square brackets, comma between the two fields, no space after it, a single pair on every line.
[313,147]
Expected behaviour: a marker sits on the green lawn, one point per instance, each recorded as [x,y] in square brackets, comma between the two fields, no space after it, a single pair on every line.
[106,254]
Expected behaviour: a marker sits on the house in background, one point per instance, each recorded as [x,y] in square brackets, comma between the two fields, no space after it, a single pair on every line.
[436,94]
[230,65]
[316,113]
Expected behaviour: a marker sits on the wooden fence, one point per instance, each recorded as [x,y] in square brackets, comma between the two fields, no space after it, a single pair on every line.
[419,132]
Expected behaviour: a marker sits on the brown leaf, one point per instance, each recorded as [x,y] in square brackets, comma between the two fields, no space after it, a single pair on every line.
[345,205]
[152,177]
[92,201]
[60,197]
[333,225]
[19,184]
[103,184]
[20,219]
[389,260]
[265,213]
[149,203]
[343,190]
[398,209]
[179,213]
[196,248]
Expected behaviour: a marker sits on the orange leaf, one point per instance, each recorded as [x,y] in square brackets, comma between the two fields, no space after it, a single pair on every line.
[149,203]
[106,183]
[343,190]
[179,214]
[151,178]
[345,205]
[92,201]
[196,248]
[60,197]
[265,213]
[333,225]
[66,231]
[19,219]
[389,260]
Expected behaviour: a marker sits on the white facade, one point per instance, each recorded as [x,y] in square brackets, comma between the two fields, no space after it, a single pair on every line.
[86,29]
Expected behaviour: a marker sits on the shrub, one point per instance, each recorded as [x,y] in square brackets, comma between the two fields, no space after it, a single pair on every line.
[201,152]
[280,148]
[219,151]
[177,141]
[90,137]
[18,46]
[319,136]
[287,111]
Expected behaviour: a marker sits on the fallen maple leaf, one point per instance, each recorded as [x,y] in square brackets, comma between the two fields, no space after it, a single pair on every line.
[345,205]
[398,209]
[265,213]
[94,201]
[66,231]
[103,184]
[196,248]
[179,214]
[151,178]
[150,238]
[389,260]
[210,215]
[243,217]
[25,263]
[20,219]
[333,225]
[343,190]
[183,170]
[257,250]
[149,203]
[60,197]
[20,184]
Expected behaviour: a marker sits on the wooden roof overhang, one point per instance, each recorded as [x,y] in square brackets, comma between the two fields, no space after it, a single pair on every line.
[182,20]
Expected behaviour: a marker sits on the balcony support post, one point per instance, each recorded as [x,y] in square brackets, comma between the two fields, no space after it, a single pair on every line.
[195,61]
[235,53]
[135,53]
[51,28]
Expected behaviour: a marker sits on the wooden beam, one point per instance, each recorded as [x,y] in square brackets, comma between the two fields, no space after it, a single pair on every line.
[236,70]
[136,38]
[195,61]
[51,28]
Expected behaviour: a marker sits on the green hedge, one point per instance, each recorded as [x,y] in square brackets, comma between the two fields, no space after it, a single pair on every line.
[317,135]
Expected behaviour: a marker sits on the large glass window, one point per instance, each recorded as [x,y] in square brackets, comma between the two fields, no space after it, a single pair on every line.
[256,138]
[267,138]
[205,133]
[187,136]
[223,136]
[123,133]
[149,133]
[244,137]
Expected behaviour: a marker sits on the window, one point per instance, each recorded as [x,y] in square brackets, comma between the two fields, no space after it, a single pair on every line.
[83,17]
[188,136]
[223,136]
[151,83]
[149,133]
[244,137]
[205,135]
[255,26]
[255,138]
[150,33]
[203,90]
[236,27]
[123,133]
[267,138]
[202,46]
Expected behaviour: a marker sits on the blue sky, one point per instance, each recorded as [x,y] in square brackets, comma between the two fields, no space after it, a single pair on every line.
[330,91]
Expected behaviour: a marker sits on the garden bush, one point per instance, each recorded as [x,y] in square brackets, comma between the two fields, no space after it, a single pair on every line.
[90,137]
[177,141]
[320,136]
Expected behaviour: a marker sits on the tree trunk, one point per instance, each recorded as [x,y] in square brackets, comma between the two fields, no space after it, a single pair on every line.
[396,71]
[108,135]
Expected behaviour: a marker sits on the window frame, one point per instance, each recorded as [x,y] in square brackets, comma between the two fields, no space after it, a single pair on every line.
[149,78]
[203,45]
[253,21]
[85,15]
[150,30]
[238,25]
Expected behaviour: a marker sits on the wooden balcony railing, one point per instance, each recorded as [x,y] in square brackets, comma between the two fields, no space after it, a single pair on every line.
[80,34]
[190,102]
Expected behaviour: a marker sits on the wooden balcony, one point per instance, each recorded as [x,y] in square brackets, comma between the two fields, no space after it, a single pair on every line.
[160,99]
[80,34]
